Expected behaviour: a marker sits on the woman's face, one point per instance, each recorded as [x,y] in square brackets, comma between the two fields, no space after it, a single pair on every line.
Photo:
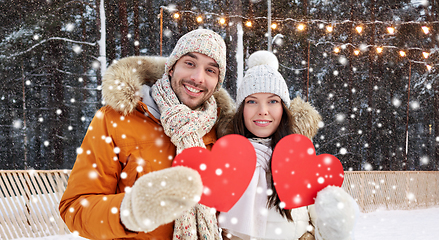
[262,113]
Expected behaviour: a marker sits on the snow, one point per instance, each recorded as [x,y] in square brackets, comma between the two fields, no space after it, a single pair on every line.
[378,225]
[398,224]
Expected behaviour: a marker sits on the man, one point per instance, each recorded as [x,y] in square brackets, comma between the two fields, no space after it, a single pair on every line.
[121,185]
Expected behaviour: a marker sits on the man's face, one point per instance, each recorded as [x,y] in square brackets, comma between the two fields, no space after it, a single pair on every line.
[194,78]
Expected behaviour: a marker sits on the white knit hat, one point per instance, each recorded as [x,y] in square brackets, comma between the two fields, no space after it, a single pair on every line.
[262,76]
[202,41]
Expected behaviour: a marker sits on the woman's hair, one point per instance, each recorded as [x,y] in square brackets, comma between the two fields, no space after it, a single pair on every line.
[285,128]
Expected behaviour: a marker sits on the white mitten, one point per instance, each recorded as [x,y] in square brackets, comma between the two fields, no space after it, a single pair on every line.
[336,214]
[160,197]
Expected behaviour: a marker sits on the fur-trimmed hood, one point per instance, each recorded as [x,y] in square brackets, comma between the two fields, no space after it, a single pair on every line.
[123,81]
[306,118]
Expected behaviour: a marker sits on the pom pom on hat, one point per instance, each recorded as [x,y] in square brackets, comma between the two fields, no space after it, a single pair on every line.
[263,77]
[263,58]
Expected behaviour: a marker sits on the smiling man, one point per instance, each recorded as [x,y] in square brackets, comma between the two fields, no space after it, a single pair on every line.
[194,78]
[122,185]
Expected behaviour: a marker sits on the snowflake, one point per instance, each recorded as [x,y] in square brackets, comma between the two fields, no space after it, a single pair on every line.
[116,150]
[343,151]
[95,64]
[340,117]
[79,151]
[69,27]
[114,210]
[424,160]
[396,102]
[415,105]
[77,49]
[343,60]
[367,166]
[17,123]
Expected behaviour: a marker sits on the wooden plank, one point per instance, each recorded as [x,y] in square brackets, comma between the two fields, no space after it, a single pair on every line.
[21,190]
[38,201]
[8,220]
[16,207]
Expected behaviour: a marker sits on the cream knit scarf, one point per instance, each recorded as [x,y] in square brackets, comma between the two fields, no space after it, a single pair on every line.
[186,128]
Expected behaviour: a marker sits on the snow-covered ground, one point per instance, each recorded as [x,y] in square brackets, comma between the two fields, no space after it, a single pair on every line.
[419,224]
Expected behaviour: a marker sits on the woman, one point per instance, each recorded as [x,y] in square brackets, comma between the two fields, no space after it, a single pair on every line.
[265,115]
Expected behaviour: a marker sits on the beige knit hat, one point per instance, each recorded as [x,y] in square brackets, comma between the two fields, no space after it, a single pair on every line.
[262,76]
[202,41]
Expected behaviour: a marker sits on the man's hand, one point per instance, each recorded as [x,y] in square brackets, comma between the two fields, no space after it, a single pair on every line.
[160,197]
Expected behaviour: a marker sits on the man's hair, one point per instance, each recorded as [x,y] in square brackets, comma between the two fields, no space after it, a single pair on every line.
[284,129]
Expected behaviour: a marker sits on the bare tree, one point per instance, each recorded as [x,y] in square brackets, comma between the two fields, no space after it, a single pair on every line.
[123,18]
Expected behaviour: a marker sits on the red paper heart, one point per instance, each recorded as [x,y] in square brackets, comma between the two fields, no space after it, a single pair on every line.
[226,171]
[299,174]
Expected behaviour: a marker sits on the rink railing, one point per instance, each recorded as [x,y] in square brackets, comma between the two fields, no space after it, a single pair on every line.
[29,199]
[393,190]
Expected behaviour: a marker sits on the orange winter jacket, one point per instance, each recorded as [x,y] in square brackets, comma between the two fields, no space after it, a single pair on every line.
[115,152]
[123,142]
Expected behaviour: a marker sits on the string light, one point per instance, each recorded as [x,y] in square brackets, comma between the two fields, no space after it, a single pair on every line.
[428,67]
[425,54]
[329,28]
[391,30]
[301,27]
[425,29]
[321,24]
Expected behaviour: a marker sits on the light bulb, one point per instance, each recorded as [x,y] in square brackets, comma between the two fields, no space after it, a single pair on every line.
[391,30]
[425,29]
[329,28]
[425,54]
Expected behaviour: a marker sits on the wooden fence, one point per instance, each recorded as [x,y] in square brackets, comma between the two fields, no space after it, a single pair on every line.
[393,190]
[29,203]
[29,199]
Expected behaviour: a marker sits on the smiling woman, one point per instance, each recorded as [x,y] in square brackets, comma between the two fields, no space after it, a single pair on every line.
[264,117]
[262,113]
